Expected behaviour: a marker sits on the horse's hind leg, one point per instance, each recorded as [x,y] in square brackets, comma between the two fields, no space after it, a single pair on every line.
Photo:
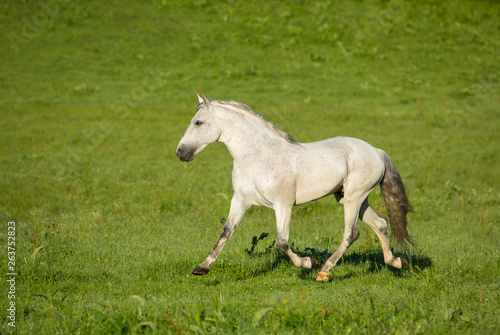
[351,234]
[379,225]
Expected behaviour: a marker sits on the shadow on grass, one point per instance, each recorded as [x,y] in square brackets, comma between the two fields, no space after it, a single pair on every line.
[265,262]
[258,263]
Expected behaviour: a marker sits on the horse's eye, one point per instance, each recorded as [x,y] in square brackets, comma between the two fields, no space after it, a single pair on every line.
[198,123]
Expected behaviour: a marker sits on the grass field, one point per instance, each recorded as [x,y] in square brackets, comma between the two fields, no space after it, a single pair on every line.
[94,97]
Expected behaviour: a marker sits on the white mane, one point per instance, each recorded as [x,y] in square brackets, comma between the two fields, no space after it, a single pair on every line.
[245,111]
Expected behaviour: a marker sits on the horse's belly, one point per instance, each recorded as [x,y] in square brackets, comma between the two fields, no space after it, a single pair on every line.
[318,182]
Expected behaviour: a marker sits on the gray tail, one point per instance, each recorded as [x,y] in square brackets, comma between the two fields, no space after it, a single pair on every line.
[396,200]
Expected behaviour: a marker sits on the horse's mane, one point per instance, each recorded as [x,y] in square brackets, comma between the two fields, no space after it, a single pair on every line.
[244,110]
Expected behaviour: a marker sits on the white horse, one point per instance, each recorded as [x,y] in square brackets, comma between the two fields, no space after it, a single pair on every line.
[271,169]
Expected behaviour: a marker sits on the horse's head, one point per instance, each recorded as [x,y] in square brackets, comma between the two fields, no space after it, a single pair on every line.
[202,131]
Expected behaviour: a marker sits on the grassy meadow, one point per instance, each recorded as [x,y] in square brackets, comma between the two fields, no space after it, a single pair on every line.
[94,97]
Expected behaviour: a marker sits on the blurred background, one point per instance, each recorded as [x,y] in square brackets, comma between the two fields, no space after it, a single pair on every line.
[95,95]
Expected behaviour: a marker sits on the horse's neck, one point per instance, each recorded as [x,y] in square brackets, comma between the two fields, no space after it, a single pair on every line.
[246,139]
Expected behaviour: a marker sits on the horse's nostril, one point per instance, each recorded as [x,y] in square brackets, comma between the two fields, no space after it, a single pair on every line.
[179,152]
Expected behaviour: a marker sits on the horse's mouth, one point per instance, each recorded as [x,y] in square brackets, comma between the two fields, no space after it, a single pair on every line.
[189,158]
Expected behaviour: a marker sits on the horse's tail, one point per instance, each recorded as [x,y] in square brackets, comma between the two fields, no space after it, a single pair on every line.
[396,200]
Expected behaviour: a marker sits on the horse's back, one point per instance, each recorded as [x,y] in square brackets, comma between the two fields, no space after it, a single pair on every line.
[352,150]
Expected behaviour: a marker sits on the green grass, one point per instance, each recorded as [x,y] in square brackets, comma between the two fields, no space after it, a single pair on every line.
[97,96]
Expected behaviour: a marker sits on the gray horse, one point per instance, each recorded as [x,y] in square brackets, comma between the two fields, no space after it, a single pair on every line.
[273,170]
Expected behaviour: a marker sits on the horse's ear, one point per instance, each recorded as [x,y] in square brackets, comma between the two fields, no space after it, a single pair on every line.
[205,100]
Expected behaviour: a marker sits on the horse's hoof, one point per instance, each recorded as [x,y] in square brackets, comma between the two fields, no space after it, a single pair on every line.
[323,276]
[404,264]
[314,263]
[201,270]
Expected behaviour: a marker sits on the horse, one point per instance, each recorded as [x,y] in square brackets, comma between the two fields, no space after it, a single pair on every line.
[271,169]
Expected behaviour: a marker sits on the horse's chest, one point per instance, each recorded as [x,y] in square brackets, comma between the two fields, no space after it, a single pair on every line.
[261,187]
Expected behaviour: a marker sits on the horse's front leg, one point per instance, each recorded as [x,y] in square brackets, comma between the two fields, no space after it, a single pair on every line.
[283,216]
[236,212]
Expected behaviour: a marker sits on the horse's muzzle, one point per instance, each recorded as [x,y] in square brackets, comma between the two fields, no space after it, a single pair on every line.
[184,154]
